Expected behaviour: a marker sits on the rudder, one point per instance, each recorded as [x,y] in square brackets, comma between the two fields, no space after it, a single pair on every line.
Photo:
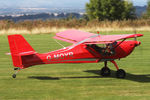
[18,47]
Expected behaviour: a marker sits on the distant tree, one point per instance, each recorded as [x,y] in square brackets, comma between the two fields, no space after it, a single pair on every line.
[85,17]
[146,15]
[110,10]
[129,11]
[148,8]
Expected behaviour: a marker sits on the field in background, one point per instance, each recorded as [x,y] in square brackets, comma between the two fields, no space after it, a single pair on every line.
[75,81]
[54,26]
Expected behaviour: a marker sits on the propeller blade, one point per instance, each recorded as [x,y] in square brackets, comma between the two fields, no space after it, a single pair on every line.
[135,32]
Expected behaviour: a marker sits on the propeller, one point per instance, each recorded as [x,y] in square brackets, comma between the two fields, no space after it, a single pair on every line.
[135,32]
[135,38]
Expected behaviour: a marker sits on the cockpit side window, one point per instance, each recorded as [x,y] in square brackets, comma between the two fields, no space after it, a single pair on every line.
[105,50]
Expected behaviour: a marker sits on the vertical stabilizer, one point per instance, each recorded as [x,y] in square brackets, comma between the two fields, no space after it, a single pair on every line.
[18,47]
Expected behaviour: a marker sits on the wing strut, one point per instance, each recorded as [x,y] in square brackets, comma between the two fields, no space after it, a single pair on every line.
[119,43]
[59,43]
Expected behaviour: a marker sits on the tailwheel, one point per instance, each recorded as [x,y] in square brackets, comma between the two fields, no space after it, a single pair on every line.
[17,70]
[14,75]
[120,73]
[105,71]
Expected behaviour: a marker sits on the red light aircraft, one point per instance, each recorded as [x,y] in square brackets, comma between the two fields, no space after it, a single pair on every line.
[85,49]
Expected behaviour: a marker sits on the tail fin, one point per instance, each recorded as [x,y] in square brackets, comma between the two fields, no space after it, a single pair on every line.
[19,47]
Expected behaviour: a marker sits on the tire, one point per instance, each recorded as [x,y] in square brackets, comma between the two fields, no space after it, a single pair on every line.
[105,71]
[14,75]
[120,73]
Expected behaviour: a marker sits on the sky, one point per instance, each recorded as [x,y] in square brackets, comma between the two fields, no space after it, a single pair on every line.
[53,3]
[139,2]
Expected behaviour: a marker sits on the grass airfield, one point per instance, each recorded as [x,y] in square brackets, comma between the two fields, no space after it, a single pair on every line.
[75,81]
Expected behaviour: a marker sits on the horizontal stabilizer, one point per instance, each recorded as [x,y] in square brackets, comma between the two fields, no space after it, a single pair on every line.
[27,53]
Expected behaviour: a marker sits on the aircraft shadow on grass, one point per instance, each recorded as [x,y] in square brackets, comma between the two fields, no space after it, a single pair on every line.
[138,78]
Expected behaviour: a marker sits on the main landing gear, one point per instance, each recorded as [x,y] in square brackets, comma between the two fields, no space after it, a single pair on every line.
[105,71]
[17,70]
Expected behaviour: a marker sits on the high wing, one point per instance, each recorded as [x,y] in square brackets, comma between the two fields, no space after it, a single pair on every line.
[75,36]
[72,36]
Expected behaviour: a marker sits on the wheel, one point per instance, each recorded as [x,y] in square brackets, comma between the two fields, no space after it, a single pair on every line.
[120,73]
[14,75]
[105,71]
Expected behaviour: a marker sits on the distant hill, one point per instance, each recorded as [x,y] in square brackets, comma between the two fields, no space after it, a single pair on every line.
[20,14]
[140,10]
[42,16]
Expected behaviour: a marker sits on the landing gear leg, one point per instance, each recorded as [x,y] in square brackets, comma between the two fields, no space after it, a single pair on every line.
[14,75]
[120,72]
[105,71]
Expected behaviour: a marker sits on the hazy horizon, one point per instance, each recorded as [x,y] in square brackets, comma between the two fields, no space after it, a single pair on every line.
[53,3]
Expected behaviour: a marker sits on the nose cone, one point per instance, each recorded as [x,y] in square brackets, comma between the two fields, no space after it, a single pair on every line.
[137,43]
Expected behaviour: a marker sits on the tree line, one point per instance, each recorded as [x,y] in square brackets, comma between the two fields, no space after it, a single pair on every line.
[113,10]
[99,13]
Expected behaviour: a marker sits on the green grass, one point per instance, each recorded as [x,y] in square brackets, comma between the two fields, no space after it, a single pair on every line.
[75,81]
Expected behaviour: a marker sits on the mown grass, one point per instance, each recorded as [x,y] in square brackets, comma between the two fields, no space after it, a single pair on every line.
[75,81]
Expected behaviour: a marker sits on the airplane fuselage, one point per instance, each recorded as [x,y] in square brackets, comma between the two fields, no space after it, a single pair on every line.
[80,54]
